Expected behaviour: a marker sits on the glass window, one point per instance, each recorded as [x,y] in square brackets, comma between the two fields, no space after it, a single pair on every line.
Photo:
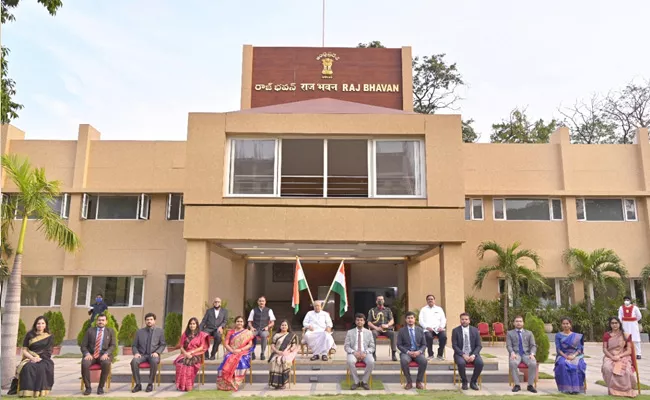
[556,206]
[566,293]
[468,210]
[474,209]
[253,167]
[580,209]
[115,290]
[638,292]
[175,207]
[82,290]
[604,210]
[498,209]
[138,291]
[117,207]
[40,291]
[302,168]
[630,210]
[527,210]
[397,166]
[347,168]
[548,297]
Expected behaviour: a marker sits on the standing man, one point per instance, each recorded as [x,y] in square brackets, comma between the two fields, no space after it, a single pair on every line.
[360,346]
[99,307]
[381,323]
[630,315]
[213,323]
[318,332]
[522,348]
[97,347]
[411,344]
[467,346]
[432,320]
[260,322]
[148,345]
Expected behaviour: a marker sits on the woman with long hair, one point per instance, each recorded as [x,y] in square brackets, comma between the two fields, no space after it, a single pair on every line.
[35,372]
[237,360]
[618,367]
[193,344]
[284,347]
[570,366]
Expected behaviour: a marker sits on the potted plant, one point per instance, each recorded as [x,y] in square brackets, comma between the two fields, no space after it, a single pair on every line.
[127,334]
[173,327]
[536,326]
[399,309]
[57,328]
[22,331]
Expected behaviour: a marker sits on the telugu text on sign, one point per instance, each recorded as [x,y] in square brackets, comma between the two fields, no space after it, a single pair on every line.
[328,87]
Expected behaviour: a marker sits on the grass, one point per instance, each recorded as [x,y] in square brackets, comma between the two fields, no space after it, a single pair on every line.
[376,385]
[488,355]
[602,383]
[544,375]
[68,355]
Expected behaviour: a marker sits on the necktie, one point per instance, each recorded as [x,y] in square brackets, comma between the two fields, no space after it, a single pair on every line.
[466,348]
[413,346]
[359,341]
[521,344]
[148,349]
[98,342]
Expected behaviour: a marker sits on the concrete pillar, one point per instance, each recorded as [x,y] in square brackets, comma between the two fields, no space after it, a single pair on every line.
[407,78]
[7,134]
[422,280]
[246,77]
[68,301]
[197,267]
[452,283]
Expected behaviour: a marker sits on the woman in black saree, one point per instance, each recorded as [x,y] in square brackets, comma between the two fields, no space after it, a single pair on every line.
[284,348]
[36,370]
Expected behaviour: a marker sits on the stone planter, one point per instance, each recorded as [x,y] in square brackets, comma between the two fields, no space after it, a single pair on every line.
[548,328]
[127,351]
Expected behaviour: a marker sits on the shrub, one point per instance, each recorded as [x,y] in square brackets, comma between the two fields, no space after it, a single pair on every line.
[82,332]
[22,331]
[56,324]
[480,310]
[536,326]
[128,331]
[109,324]
[173,327]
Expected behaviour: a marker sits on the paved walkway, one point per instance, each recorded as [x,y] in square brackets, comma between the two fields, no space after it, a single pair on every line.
[67,374]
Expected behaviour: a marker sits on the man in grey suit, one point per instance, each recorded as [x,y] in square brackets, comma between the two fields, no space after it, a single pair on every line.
[213,323]
[360,346]
[466,342]
[412,344]
[149,343]
[522,348]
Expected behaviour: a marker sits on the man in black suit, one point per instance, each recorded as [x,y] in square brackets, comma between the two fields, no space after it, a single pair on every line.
[466,343]
[412,344]
[149,343]
[213,323]
[97,347]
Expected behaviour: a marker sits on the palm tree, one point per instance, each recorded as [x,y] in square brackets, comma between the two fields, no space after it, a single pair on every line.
[508,265]
[645,274]
[34,196]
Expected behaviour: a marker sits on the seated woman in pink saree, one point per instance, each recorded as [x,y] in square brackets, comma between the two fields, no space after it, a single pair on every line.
[193,345]
[618,368]
[237,361]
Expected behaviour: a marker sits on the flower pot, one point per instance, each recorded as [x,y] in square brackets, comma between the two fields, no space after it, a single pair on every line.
[548,328]
[171,348]
[127,351]
[56,350]
[19,351]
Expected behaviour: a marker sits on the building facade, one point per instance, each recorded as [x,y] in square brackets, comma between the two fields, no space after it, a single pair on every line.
[326,161]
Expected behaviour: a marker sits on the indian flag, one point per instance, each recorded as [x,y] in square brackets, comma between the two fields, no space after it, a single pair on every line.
[339,286]
[299,283]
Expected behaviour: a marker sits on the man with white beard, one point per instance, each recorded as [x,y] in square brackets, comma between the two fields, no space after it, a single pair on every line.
[630,315]
[318,333]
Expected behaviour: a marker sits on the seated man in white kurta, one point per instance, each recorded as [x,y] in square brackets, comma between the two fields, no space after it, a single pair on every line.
[318,332]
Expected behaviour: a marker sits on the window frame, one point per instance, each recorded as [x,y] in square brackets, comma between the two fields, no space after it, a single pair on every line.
[89,285]
[420,167]
[633,293]
[55,278]
[471,208]
[63,212]
[180,207]
[505,209]
[143,207]
[585,218]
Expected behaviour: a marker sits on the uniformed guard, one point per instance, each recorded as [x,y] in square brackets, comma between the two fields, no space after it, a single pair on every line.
[381,323]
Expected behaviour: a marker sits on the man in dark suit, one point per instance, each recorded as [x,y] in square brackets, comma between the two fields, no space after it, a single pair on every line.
[213,323]
[97,347]
[412,344]
[466,343]
[149,343]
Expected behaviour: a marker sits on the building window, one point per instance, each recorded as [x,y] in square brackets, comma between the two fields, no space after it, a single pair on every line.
[117,291]
[637,291]
[326,168]
[473,209]
[606,209]
[175,207]
[60,205]
[115,206]
[41,291]
[517,209]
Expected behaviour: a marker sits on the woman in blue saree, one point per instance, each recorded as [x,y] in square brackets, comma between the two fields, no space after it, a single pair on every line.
[570,366]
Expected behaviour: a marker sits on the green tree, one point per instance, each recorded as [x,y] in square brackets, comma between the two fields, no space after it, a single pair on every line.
[469,134]
[508,265]
[596,271]
[435,84]
[173,328]
[588,123]
[518,129]
[536,326]
[128,330]
[33,199]
[628,109]
[645,274]
[9,107]
[375,44]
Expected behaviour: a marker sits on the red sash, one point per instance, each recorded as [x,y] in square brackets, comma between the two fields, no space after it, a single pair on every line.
[628,313]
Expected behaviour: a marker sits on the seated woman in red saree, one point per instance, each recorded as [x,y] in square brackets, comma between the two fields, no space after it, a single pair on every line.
[193,344]
[238,345]
[618,367]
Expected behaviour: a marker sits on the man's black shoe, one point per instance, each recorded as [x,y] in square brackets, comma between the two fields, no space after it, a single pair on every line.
[324,358]
[394,357]
[532,389]
[464,387]
[314,358]
[149,388]
[365,386]
[473,385]
[262,357]
[638,357]
[88,391]
[100,391]
[211,358]
[252,356]
[355,386]
[516,388]
[136,388]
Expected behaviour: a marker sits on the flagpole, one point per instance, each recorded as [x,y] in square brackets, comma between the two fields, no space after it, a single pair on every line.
[332,285]
[307,283]
[323,23]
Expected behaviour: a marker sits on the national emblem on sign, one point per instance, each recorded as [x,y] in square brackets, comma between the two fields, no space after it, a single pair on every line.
[327,59]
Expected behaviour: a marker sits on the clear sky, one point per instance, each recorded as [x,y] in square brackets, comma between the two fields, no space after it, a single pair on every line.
[134,68]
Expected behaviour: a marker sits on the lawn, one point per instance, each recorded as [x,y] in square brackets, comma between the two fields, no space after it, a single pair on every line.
[602,383]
